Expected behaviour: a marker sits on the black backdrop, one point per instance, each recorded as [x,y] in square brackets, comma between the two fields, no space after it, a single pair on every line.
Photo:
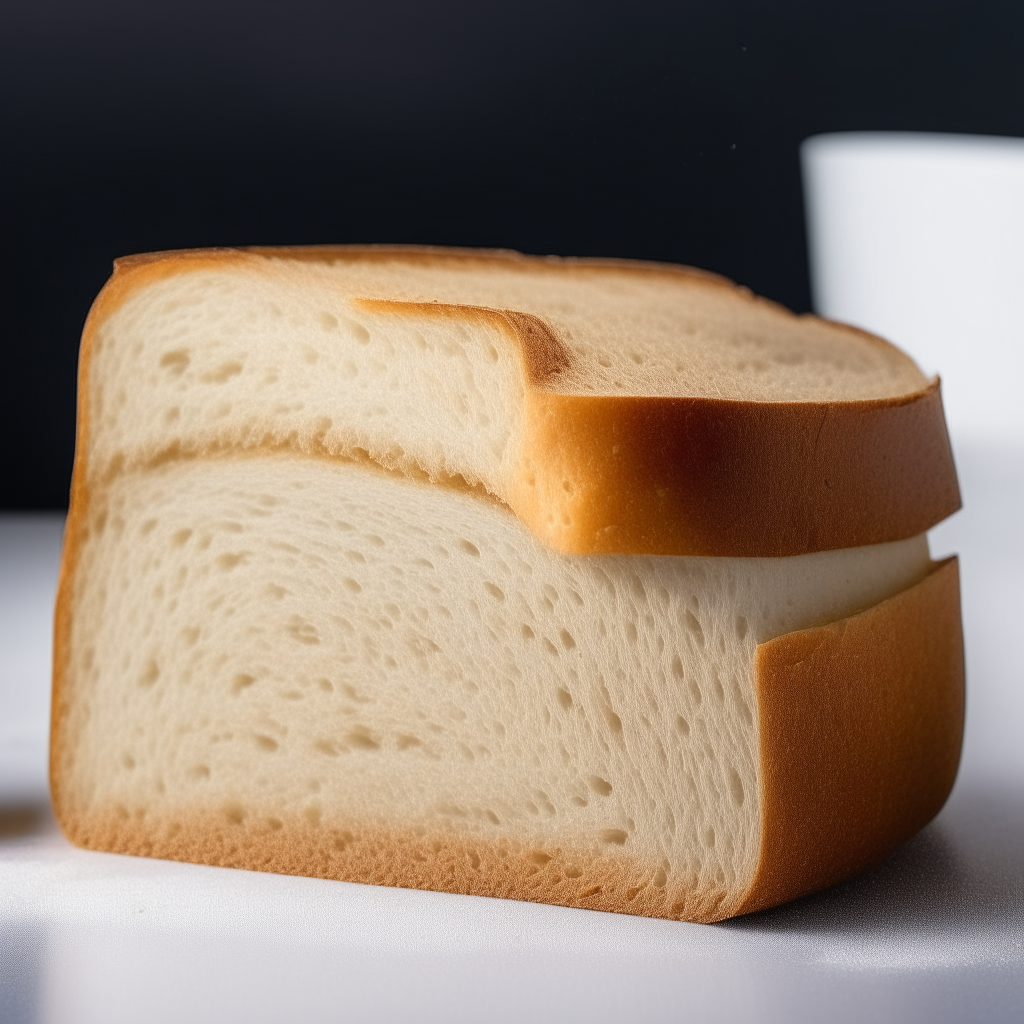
[655,130]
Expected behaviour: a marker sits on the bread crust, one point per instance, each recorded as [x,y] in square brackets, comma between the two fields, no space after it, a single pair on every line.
[699,476]
[405,858]
[861,724]
[650,475]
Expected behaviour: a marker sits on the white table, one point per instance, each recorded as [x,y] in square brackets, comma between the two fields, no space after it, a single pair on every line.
[935,934]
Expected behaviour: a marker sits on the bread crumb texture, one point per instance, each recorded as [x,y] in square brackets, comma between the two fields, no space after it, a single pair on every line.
[631,408]
[318,668]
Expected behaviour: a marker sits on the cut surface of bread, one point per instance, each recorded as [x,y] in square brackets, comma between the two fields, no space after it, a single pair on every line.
[614,407]
[319,667]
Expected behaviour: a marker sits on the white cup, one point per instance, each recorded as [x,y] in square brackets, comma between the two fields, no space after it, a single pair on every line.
[920,238]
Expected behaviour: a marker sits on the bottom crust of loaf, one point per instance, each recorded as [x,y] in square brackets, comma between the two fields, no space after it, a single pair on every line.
[440,862]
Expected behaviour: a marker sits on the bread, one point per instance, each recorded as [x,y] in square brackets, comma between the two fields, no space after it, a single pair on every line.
[390,625]
[622,408]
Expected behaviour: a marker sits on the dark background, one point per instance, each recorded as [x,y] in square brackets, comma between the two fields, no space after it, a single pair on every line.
[664,131]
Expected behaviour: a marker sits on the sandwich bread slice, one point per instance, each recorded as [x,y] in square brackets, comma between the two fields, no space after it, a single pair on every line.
[599,584]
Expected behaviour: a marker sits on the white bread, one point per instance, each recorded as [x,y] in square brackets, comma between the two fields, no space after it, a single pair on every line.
[274,656]
[614,407]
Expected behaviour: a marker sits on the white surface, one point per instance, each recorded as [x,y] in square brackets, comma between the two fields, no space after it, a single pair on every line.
[29,560]
[935,934]
[920,238]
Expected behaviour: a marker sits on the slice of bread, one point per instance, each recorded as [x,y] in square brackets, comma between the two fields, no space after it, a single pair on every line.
[318,668]
[615,407]
[593,583]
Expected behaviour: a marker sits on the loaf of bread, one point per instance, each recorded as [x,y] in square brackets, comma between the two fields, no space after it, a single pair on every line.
[594,583]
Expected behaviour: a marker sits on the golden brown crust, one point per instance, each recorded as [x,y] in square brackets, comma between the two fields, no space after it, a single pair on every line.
[408,858]
[861,725]
[700,476]
[74,536]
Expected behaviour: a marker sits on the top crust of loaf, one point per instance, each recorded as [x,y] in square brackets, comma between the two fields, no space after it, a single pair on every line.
[665,472]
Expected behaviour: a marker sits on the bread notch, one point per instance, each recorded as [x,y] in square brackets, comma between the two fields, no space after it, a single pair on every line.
[368,575]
